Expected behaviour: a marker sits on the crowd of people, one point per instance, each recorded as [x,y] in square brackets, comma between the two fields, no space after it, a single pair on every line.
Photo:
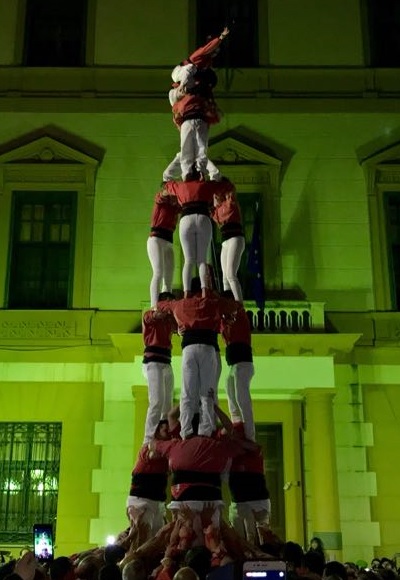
[119,562]
[194,445]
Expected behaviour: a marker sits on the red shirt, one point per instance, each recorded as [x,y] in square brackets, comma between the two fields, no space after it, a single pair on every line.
[227,212]
[146,464]
[164,215]
[197,312]
[250,462]
[199,454]
[202,57]
[158,327]
[236,328]
[149,476]
[199,191]
[247,479]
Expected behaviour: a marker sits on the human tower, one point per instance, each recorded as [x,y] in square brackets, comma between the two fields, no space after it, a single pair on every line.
[194,443]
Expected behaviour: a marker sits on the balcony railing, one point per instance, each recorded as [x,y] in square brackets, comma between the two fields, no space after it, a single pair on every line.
[287,316]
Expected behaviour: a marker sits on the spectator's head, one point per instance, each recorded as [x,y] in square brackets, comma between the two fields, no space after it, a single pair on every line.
[110,572]
[134,570]
[314,561]
[113,553]
[88,567]
[387,564]
[292,553]
[335,568]
[368,575]
[272,549]
[316,544]
[199,559]
[387,574]
[61,569]
[186,573]
[375,563]
[7,569]
[162,432]
[352,568]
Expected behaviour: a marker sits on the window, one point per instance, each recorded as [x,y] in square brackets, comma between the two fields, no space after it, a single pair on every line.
[248,204]
[41,261]
[392,212]
[29,475]
[383,29]
[382,175]
[55,32]
[240,49]
[42,171]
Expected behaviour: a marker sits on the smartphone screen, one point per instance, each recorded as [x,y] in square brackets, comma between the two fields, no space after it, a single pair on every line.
[264,569]
[43,542]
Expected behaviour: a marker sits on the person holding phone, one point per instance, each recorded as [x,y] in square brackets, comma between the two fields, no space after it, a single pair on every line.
[24,568]
[43,542]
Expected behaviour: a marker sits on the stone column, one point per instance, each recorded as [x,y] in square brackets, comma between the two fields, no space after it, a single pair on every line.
[323,509]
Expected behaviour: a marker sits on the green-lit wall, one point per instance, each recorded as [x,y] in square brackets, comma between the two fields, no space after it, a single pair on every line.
[77,405]
[311,109]
[382,409]
[325,243]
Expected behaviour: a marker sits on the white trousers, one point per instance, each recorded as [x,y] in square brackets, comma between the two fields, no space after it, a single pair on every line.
[153,513]
[160,381]
[161,256]
[195,232]
[199,370]
[239,400]
[231,253]
[247,515]
[194,143]
[174,170]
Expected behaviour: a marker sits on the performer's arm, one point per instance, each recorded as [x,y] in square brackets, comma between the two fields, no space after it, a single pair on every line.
[173,418]
[206,50]
[225,420]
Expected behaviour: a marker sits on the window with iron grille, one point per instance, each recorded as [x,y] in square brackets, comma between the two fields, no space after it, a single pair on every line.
[55,33]
[29,475]
[240,49]
[41,257]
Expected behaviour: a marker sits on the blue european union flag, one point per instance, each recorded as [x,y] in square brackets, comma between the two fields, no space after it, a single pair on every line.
[255,262]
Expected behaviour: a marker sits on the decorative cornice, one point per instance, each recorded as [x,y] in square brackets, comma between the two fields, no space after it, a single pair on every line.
[281,345]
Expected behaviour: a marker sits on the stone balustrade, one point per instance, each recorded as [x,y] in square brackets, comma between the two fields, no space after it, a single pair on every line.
[287,316]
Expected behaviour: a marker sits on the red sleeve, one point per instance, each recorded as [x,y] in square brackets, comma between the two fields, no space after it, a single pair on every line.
[199,56]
